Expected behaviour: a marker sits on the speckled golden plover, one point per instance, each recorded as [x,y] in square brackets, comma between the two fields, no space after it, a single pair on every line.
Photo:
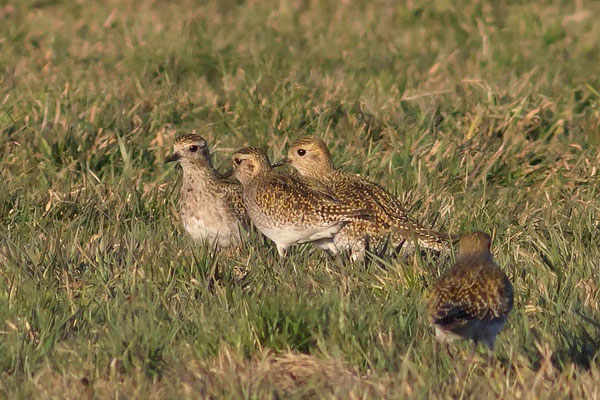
[312,159]
[472,299]
[289,209]
[211,207]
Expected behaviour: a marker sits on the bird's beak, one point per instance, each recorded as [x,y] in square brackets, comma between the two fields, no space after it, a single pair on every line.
[173,157]
[228,174]
[281,163]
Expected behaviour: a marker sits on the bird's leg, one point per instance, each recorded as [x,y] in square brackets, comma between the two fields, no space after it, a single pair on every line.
[282,251]
[331,256]
[447,346]
[398,248]
[383,249]
[473,352]
[357,255]
[332,249]
[489,342]
[366,245]
[358,250]
[436,357]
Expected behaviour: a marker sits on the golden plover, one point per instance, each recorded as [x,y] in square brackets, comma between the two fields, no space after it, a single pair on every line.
[211,207]
[472,299]
[312,159]
[289,209]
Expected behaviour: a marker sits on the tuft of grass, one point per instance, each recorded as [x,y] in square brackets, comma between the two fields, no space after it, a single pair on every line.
[477,114]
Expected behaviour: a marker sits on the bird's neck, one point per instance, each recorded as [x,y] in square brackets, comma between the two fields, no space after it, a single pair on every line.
[480,255]
[199,174]
[321,172]
[261,174]
[250,180]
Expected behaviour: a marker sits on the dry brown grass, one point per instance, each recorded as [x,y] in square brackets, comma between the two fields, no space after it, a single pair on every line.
[294,375]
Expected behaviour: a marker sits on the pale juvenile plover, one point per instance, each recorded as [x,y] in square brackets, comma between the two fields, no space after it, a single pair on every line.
[211,207]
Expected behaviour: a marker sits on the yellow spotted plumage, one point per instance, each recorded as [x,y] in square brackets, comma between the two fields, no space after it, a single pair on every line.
[472,299]
[289,209]
[312,159]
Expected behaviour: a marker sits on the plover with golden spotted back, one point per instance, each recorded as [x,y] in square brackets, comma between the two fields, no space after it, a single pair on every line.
[312,159]
[472,299]
[289,209]
[211,207]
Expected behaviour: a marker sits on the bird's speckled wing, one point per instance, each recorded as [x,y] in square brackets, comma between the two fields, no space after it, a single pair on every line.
[292,197]
[232,193]
[388,210]
[236,204]
[363,193]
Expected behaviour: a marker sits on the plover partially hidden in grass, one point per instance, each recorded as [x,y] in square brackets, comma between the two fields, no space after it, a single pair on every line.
[312,159]
[211,207]
[289,209]
[472,299]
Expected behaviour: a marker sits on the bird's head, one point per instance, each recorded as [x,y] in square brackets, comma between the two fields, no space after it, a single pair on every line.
[248,163]
[475,243]
[310,156]
[190,149]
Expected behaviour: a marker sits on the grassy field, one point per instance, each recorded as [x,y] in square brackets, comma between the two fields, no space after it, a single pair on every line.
[478,114]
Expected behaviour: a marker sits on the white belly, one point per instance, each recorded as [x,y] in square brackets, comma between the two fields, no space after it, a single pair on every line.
[208,220]
[288,236]
[202,230]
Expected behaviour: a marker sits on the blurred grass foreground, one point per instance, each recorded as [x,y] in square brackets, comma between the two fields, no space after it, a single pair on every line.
[478,114]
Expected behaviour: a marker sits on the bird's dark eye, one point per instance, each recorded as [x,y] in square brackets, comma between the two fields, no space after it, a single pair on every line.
[193,148]
[237,161]
[301,152]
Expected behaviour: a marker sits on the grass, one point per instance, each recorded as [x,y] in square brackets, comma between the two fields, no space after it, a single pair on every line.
[478,114]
